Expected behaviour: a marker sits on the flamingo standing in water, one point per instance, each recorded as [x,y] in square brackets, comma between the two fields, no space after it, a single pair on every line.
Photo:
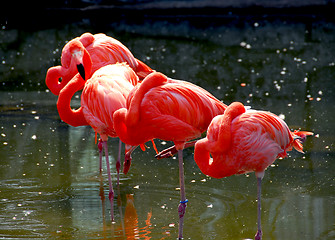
[103,50]
[243,141]
[86,54]
[104,93]
[170,110]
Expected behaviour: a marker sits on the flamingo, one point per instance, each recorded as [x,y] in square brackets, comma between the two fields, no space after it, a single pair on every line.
[167,109]
[102,49]
[86,54]
[241,141]
[105,92]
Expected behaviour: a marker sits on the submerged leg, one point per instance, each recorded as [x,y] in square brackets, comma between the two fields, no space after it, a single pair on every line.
[183,200]
[118,164]
[100,155]
[259,233]
[102,196]
[111,191]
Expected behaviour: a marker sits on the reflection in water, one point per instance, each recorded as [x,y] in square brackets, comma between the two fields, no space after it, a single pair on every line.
[128,225]
[132,230]
[49,179]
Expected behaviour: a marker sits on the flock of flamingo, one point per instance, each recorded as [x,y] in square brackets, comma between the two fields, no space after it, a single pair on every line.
[123,97]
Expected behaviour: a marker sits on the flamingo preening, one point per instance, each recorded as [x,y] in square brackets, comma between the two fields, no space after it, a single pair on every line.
[241,141]
[170,110]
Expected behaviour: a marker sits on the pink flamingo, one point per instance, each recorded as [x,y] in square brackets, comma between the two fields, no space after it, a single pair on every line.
[243,141]
[97,50]
[105,92]
[103,50]
[170,110]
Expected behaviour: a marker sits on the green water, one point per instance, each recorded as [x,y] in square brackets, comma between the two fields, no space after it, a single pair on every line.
[49,180]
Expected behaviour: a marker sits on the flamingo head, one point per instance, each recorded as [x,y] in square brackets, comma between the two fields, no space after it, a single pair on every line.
[127,163]
[301,135]
[299,138]
[81,59]
[127,158]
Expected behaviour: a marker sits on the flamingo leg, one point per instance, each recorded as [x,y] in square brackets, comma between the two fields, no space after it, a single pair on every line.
[169,152]
[100,155]
[102,196]
[183,201]
[259,233]
[118,163]
[111,191]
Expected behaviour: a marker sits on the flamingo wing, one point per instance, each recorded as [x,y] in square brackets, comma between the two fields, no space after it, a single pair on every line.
[257,139]
[168,109]
[109,50]
[177,108]
[184,101]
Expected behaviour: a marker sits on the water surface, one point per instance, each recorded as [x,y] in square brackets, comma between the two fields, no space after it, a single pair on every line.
[49,181]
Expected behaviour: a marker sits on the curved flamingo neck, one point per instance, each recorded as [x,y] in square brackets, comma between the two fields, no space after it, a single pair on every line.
[72,117]
[224,135]
[119,118]
[54,73]
[87,62]
[217,143]
[202,157]
[152,80]
[215,165]
[66,73]
[52,78]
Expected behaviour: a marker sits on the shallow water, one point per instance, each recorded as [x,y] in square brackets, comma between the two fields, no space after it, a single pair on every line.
[49,179]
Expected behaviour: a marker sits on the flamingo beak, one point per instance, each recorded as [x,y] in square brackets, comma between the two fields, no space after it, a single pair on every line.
[81,70]
[300,139]
[295,137]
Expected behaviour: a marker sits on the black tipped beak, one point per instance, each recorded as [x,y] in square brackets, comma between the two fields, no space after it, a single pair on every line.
[81,70]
